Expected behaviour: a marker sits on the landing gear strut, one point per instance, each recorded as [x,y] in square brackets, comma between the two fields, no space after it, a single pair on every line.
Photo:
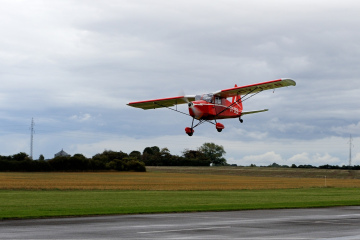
[190,131]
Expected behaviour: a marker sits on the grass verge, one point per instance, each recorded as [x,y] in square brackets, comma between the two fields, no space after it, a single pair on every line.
[54,203]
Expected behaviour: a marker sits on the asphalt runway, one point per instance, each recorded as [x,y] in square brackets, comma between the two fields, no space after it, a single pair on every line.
[317,223]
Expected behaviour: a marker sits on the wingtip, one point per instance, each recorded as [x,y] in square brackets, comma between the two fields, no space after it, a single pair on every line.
[290,81]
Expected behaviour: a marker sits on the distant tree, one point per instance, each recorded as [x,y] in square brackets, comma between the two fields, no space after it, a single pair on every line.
[152,157]
[131,164]
[327,166]
[195,158]
[41,157]
[101,158]
[155,149]
[275,165]
[151,150]
[356,167]
[108,160]
[109,155]
[20,156]
[306,166]
[148,150]
[136,155]
[78,162]
[194,154]
[165,157]
[5,158]
[214,153]
[60,163]
[165,151]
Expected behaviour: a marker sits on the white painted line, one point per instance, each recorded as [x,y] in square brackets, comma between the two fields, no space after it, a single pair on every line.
[186,229]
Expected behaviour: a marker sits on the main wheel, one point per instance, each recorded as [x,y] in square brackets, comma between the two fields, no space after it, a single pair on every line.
[189,131]
[241,120]
[219,129]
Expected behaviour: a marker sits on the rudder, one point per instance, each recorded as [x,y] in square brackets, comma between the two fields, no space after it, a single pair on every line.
[238,100]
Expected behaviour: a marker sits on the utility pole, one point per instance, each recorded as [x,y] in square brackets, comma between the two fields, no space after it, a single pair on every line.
[31,137]
[350,148]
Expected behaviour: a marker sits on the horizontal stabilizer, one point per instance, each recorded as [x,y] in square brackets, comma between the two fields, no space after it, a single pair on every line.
[245,113]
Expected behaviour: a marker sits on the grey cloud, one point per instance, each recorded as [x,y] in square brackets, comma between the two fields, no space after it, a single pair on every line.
[65,58]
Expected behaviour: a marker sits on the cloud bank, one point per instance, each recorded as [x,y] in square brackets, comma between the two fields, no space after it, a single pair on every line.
[73,66]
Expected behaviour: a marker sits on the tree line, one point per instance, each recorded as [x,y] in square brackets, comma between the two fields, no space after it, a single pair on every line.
[108,160]
[208,153]
[326,166]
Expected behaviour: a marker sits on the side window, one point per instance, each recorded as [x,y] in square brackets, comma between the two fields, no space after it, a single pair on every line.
[207,97]
[218,100]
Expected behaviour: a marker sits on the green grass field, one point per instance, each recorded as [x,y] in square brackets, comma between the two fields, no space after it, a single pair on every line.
[173,189]
[54,203]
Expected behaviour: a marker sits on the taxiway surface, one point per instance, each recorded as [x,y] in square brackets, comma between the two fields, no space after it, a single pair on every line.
[317,223]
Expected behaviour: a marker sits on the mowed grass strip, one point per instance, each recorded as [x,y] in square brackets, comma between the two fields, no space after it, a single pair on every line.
[159,181]
[55,203]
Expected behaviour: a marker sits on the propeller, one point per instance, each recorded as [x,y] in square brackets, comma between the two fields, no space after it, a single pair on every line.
[189,103]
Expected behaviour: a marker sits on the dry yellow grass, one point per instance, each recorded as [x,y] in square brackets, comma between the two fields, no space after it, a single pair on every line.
[263,172]
[159,181]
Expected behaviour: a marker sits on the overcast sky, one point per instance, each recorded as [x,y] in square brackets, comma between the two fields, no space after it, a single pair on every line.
[74,65]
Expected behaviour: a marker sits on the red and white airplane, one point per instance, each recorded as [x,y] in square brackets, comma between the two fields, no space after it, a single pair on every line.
[215,106]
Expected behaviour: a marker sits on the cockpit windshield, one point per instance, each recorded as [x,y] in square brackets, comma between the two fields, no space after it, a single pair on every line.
[206,97]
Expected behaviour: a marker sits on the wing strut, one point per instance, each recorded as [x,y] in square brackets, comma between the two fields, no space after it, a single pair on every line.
[241,100]
[172,109]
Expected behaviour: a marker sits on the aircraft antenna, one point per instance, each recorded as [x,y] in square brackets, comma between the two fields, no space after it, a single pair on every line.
[31,137]
[350,148]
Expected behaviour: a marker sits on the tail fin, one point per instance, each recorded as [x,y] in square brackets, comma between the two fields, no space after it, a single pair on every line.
[238,101]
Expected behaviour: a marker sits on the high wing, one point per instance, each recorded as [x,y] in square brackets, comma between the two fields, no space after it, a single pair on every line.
[162,102]
[231,92]
[254,88]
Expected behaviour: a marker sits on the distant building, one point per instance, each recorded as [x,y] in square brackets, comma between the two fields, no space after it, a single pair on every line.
[62,153]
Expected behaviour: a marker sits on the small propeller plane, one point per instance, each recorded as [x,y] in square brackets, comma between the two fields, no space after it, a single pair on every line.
[211,107]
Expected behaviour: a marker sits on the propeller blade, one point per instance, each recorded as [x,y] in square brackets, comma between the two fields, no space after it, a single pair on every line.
[190,104]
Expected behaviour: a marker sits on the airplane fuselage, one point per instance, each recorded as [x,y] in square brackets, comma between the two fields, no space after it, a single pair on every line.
[219,109]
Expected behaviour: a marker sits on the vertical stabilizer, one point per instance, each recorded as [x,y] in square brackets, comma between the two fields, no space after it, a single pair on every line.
[238,101]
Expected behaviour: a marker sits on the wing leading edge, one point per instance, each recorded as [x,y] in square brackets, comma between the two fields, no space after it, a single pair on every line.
[162,102]
[254,88]
[231,92]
